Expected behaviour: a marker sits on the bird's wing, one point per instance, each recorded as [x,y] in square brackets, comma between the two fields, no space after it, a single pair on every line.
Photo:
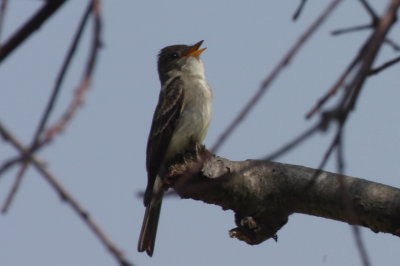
[165,119]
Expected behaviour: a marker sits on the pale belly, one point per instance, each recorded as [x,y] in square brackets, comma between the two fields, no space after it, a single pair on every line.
[193,122]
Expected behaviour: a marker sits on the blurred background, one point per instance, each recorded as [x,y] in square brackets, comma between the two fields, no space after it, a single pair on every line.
[100,157]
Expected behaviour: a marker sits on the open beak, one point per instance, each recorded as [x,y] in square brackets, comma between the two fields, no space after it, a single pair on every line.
[194,49]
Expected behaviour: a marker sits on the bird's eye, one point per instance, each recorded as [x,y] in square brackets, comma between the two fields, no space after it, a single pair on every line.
[174,56]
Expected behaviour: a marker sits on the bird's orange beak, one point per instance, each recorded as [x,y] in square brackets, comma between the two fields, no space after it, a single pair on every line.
[194,49]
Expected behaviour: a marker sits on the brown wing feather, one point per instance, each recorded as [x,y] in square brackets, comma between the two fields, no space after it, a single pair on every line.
[164,123]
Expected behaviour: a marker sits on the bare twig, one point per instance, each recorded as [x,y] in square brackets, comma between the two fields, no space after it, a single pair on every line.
[339,151]
[370,11]
[26,154]
[351,29]
[392,44]
[347,203]
[65,195]
[14,188]
[271,77]
[48,9]
[36,144]
[3,7]
[360,245]
[332,91]
[299,9]
[325,159]
[371,25]
[9,163]
[374,44]
[363,61]
[60,78]
[293,143]
[384,66]
[87,77]
[328,153]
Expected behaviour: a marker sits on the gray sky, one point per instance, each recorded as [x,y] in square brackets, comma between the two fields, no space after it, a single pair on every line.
[100,157]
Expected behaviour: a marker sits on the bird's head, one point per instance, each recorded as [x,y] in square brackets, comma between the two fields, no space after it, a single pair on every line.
[180,58]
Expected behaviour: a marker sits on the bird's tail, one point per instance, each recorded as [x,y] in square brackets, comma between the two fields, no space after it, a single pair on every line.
[150,222]
[149,227]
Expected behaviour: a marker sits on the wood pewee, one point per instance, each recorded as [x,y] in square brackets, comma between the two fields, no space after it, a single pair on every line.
[180,122]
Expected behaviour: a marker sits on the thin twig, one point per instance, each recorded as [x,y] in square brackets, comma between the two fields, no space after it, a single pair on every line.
[370,11]
[65,195]
[86,80]
[371,25]
[352,29]
[293,143]
[9,163]
[324,160]
[299,10]
[360,245]
[50,105]
[392,44]
[364,60]
[371,52]
[49,8]
[339,150]
[14,188]
[340,81]
[348,204]
[384,66]
[279,67]
[61,75]
[3,7]
[367,56]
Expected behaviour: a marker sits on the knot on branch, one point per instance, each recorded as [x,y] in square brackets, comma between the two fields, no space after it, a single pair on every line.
[249,188]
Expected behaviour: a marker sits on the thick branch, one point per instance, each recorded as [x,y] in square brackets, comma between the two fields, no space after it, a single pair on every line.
[263,194]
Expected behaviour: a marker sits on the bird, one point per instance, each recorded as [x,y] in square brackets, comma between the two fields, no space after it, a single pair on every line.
[180,123]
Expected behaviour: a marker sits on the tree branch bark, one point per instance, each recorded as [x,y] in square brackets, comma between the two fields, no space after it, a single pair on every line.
[264,194]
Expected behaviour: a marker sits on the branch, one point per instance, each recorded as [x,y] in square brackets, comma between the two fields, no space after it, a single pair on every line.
[392,44]
[36,144]
[298,10]
[384,66]
[30,26]
[274,74]
[264,194]
[371,50]
[336,86]
[65,195]
[360,67]
[3,7]
[373,23]
[87,75]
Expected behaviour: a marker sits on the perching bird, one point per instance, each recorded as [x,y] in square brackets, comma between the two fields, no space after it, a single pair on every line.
[180,122]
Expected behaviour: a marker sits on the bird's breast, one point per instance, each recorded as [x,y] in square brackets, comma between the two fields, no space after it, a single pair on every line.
[194,118]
